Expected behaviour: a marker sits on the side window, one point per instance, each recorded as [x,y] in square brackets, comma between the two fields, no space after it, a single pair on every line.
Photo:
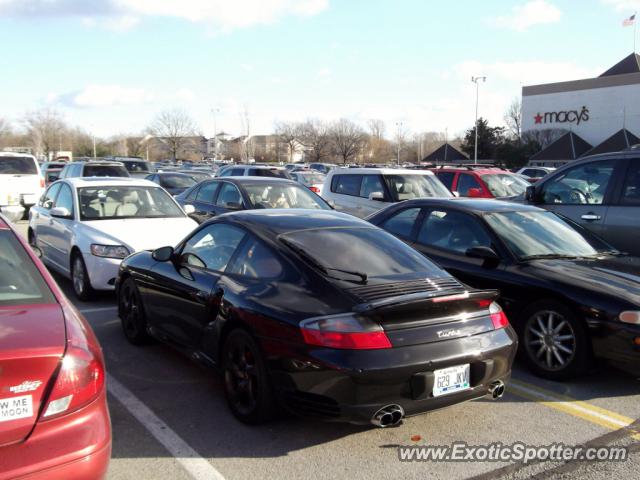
[582,185]
[193,194]
[207,192]
[346,184]
[465,183]
[255,260]
[401,224]
[452,231]
[228,194]
[370,184]
[212,247]
[49,196]
[631,189]
[65,198]
[237,172]
[446,178]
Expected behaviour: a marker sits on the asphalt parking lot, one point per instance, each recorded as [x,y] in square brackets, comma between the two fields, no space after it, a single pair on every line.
[170,420]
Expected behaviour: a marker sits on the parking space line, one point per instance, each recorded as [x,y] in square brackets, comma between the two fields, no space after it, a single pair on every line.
[198,467]
[97,309]
[578,408]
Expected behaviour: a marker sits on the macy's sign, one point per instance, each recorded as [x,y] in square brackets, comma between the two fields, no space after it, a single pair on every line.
[567,116]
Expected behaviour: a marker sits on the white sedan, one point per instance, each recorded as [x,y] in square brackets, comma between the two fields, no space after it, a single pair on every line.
[84,227]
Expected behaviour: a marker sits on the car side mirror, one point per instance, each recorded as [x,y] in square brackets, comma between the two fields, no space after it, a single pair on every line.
[483,253]
[162,254]
[531,194]
[189,209]
[378,196]
[60,212]
[233,206]
[474,193]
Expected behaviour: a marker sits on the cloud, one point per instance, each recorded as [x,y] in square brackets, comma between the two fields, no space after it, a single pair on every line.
[246,67]
[629,6]
[223,15]
[100,96]
[522,17]
[324,72]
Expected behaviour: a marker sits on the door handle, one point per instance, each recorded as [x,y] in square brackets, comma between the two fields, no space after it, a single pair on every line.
[590,217]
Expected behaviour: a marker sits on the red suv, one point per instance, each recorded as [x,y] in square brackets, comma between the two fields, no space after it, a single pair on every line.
[481,181]
[54,421]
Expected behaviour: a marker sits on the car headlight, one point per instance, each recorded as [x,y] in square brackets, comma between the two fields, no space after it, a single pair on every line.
[109,251]
[630,317]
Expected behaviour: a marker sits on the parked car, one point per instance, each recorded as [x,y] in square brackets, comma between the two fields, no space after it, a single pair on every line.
[93,168]
[136,166]
[218,196]
[321,311]
[481,182]
[21,184]
[198,175]
[568,293]
[86,226]
[323,167]
[533,174]
[295,166]
[54,420]
[173,182]
[253,171]
[51,171]
[601,193]
[364,191]
[312,179]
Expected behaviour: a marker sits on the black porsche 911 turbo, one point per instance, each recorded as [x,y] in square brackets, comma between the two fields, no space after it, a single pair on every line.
[569,295]
[321,313]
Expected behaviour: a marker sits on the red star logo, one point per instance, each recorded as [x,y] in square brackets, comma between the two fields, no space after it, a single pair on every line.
[538,118]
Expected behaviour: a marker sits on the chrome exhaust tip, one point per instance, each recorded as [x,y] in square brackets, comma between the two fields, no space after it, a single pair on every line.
[496,389]
[388,416]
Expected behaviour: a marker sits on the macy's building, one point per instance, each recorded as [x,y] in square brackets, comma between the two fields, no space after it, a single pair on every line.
[584,117]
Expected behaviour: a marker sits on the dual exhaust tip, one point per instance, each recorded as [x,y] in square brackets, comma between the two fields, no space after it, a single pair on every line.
[392,415]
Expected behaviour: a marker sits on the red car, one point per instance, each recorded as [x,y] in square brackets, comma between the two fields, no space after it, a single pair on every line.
[481,182]
[54,421]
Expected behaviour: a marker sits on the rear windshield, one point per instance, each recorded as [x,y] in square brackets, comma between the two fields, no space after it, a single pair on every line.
[505,184]
[177,181]
[104,171]
[20,280]
[268,172]
[409,186]
[134,166]
[17,166]
[370,251]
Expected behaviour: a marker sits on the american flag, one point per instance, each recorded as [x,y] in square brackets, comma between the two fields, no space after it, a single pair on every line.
[629,21]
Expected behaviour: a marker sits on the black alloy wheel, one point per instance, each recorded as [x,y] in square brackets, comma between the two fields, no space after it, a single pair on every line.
[131,312]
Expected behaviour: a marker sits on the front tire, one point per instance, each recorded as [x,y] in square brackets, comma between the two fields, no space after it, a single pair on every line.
[80,278]
[554,342]
[132,315]
[246,382]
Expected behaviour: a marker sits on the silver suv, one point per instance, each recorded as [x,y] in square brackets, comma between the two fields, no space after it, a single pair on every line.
[601,193]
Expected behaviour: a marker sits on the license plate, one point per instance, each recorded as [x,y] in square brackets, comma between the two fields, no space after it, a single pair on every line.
[451,380]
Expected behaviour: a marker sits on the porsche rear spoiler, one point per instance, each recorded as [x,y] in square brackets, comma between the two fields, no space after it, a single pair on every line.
[426,300]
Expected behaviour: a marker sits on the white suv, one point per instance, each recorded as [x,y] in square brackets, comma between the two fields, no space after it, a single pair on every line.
[364,191]
[21,184]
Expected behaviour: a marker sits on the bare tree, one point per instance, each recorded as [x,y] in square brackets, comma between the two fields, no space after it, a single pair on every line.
[5,127]
[316,138]
[347,139]
[289,133]
[513,118]
[45,129]
[376,128]
[174,128]
[543,137]
[247,147]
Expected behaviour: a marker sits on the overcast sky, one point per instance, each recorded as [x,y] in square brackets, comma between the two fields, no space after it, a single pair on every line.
[110,66]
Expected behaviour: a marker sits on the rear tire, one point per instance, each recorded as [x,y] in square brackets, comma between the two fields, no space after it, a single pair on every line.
[554,341]
[80,278]
[132,315]
[246,380]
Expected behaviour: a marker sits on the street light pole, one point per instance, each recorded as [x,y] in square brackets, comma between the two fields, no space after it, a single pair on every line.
[399,125]
[475,80]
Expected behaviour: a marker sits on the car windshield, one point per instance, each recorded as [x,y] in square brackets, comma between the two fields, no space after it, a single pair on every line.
[112,202]
[539,234]
[283,196]
[408,186]
[177,181]
[505,184]
[311,178]
[134,166]
[368,251]
[20,280]
[17,166]
[104,171]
